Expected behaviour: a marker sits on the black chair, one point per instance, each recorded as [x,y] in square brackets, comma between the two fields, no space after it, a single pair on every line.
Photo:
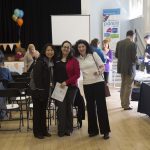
[29,115]
[9,94]
[79,105]
[15,76]
[26,74]
[24,79]
[51,113]
[22,87]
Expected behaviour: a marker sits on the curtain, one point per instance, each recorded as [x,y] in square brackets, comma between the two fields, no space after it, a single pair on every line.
[37,23]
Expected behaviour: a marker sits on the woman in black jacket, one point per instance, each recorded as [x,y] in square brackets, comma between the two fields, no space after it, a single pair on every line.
[41,84]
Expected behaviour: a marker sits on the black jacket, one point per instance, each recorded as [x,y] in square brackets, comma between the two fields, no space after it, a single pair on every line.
[41,75]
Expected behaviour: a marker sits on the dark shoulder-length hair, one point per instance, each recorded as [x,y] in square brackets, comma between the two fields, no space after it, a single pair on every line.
[70,55]
[94,42]
[88,47]
[42,54]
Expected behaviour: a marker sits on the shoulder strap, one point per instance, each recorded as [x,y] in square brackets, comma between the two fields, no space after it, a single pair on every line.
[97,66]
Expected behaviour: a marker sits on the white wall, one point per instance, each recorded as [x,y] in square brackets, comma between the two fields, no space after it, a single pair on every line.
[142,25]
[95,9]
[146,16]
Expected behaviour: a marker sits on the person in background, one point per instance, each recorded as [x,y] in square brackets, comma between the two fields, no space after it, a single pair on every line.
[147,53]
[5,77]
[66,72]
[5,73]
[108,57]
[92,69]
[31,55]
[41,83]
[19,54]
[95,47]
[126,51]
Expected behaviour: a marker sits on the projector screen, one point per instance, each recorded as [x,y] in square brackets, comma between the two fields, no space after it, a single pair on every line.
[70,27]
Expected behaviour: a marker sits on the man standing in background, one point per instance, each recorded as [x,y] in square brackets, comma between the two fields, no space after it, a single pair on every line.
[126,66]
[147,53]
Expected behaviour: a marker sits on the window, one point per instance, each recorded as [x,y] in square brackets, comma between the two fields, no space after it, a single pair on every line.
[135,8]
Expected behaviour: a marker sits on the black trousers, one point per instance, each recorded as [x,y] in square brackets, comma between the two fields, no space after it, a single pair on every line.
[147,67]
[96,108]
[106,75]
[39,116]
[65,112]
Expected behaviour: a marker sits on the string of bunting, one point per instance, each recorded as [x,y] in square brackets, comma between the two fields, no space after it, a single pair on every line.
[10,45]
[17,18]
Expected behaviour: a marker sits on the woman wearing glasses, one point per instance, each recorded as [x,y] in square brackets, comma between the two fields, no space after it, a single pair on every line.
[66,72]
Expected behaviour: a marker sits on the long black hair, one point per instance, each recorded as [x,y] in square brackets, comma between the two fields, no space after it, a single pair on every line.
[88,48]
[94,42]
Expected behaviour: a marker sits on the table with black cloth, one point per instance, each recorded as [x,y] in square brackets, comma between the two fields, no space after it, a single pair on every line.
[144,100]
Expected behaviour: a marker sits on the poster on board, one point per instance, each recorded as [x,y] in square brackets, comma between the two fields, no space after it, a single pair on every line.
[111,26]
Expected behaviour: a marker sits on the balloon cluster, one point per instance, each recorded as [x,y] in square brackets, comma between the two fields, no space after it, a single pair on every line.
[17,17]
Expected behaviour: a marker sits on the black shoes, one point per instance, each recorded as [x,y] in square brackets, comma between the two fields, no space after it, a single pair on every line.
[106,136]
[42,136]
[67,133]
[129,108]
[80,123]
[47,134]
[39,136]
[93,134]
[61,135]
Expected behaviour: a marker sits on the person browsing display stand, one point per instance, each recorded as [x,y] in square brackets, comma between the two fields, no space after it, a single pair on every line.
[147,53]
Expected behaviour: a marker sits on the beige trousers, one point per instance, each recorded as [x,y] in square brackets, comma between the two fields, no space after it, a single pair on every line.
[125,91]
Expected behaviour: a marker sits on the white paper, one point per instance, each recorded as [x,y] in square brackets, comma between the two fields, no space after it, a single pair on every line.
[59,93]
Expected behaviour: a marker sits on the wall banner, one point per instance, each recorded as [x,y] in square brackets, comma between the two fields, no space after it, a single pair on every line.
[111,26]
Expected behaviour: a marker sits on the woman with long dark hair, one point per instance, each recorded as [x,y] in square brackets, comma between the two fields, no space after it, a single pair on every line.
[92,69]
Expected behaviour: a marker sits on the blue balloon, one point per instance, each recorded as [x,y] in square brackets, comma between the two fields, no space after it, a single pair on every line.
[21,13]
[16,12]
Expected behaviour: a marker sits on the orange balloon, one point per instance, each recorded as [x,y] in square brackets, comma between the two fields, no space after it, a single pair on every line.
[20,22]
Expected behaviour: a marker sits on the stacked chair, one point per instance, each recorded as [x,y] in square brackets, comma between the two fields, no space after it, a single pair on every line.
[19,100]
[23,99]
[11,107]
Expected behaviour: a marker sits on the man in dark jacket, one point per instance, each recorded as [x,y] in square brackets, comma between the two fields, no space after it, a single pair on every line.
[147,53]
[126,55]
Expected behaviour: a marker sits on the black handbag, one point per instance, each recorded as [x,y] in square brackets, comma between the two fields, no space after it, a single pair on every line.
[107,91]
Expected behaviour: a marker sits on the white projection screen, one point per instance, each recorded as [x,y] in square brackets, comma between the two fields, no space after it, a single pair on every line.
[70,27]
